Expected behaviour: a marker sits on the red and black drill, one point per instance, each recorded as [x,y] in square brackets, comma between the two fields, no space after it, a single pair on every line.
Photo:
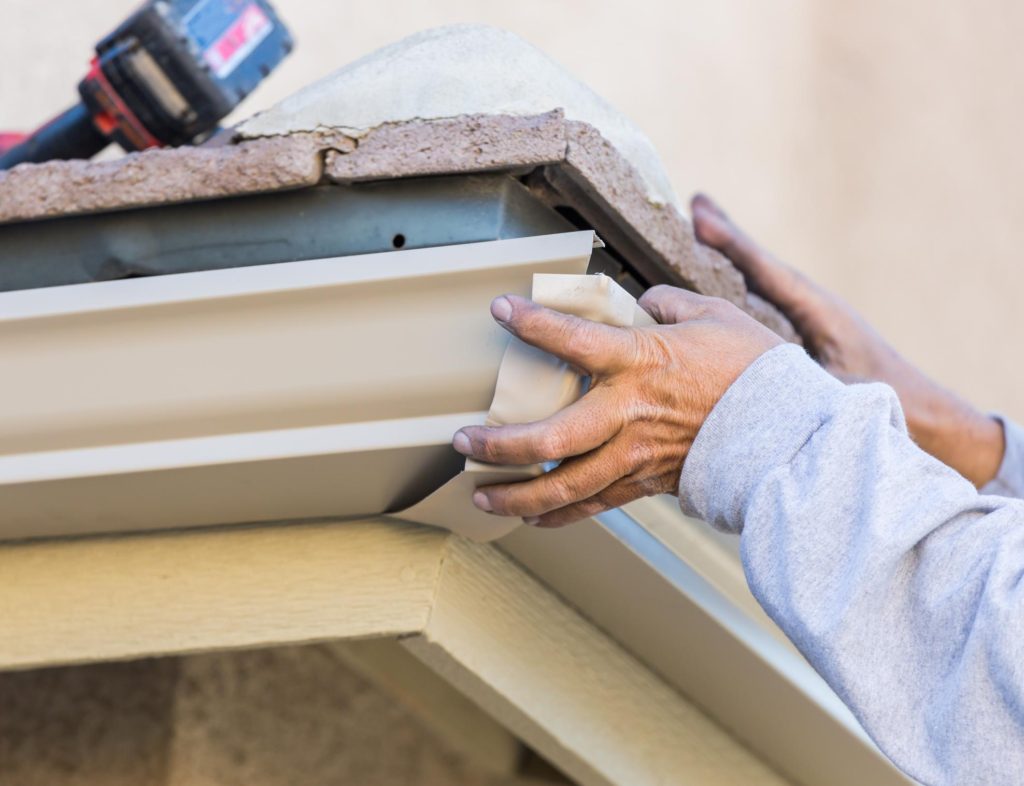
[165,77]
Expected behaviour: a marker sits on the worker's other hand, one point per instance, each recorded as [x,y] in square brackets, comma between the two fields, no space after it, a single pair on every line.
[850,349]
[651,390]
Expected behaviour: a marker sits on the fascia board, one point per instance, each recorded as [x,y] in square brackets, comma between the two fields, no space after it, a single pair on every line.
[296,390]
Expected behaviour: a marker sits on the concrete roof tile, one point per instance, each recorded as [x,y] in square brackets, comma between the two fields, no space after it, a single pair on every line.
[571,163]
[58,188]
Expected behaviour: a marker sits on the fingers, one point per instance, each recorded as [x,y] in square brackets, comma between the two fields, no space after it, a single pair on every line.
[765,275]
[579,428]
[710,222]
[714,228]
[671,305]
[574,480]
[615,496]
[588,345]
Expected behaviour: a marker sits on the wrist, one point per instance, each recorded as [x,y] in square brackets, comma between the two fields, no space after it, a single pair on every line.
[960,436]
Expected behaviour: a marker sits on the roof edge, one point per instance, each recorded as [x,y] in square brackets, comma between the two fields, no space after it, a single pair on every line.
[580,167]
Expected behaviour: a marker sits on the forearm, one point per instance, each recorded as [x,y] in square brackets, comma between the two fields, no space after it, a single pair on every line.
[952,430]
[896,580]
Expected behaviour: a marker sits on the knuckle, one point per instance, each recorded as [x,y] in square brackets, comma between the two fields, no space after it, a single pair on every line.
[579,338]
[716,306]
[645,344]
[599,503]
[562,490]
[485,447]
[554,443]
[651,350]
[517,499]
[648,486]
[723,309]
[516,504]
[639,454]
[616,496]
[656,293]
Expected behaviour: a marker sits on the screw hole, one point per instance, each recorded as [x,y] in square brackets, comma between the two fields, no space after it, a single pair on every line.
[398,241]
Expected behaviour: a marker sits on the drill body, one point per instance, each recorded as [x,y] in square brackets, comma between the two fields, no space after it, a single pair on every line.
[164,77]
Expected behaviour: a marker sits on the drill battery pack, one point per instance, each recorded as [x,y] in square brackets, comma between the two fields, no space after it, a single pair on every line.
[175,68]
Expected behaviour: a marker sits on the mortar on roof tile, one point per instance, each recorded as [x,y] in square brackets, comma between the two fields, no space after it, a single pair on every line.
[475,143]
[449,72]
[154,177]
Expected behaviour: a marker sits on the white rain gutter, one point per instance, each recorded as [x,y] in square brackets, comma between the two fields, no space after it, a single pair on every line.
[298,390]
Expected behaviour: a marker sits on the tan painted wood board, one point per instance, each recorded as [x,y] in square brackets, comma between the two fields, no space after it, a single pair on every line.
[564,687]
[104,599]
[706,642]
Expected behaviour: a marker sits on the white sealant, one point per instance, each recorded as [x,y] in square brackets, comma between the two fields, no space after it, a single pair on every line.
[451,71]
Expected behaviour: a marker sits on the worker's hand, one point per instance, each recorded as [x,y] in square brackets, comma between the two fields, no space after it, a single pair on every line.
[651,390]
[941,423]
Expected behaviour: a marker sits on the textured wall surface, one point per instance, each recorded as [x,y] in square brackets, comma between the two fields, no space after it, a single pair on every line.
[107,724]
[263,718]
[875,145]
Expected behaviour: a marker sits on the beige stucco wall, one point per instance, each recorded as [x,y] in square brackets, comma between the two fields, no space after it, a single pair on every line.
[280,717]
[875,144]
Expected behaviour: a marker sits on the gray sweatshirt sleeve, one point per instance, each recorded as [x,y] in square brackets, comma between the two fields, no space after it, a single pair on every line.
[1010,480]
[901,584]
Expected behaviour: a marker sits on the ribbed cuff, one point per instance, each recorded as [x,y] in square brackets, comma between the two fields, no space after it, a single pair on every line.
[1009,481]
[760,423]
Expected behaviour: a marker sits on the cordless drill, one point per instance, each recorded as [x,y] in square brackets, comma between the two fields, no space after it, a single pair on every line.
[165,77]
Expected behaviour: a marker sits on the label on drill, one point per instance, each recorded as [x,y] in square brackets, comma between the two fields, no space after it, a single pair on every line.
[228,32]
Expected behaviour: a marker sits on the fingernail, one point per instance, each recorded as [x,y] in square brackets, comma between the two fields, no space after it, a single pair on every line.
[481,501]
[704,202]
[461,443]
[501,309]
[531,521]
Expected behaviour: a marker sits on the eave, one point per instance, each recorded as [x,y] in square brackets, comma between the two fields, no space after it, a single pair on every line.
[565,163]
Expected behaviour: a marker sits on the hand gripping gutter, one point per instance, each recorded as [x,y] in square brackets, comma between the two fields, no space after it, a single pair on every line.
[532,385]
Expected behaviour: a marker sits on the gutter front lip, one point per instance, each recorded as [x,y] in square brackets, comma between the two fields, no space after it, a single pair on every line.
[275,278]
[209,451]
